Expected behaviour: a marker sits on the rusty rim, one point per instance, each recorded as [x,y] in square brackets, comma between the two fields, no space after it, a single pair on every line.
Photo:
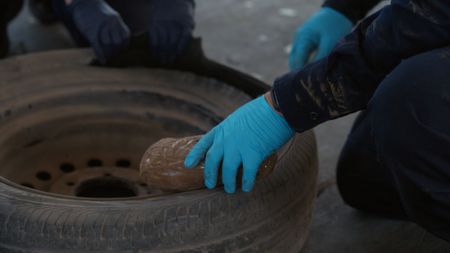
[92,151]
[81,131]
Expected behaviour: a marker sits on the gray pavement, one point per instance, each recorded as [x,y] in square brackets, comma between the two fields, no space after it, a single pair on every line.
[253,36]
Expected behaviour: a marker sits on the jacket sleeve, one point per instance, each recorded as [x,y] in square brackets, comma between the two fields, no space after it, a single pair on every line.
[354,10]
[344,81]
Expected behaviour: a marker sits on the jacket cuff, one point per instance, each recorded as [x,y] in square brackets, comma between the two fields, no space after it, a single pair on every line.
[296,105]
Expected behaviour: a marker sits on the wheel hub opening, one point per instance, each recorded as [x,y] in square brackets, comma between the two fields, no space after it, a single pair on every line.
[106,187]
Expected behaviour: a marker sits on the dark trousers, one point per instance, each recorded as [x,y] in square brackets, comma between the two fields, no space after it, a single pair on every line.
[396,161]
[8,10]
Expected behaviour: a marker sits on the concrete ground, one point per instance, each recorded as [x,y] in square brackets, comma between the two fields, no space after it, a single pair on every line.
[254,36]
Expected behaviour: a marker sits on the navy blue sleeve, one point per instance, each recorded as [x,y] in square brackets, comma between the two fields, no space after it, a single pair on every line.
[354,10]
[344,81]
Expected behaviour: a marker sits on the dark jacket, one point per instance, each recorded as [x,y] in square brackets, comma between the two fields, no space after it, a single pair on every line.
[344,81]
[354,10]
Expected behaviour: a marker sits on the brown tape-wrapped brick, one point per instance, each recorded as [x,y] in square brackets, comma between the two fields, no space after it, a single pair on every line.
[162,165]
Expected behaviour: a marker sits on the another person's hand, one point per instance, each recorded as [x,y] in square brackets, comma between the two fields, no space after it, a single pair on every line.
[101,25]
[170,28]
[246,137]
[320,32]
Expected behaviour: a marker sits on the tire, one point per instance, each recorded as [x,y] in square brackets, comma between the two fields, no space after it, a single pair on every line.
[274,217]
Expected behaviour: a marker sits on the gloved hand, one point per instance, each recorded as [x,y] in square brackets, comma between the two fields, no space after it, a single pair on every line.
[101,25]
[247,136]
[320,32]
[170,28]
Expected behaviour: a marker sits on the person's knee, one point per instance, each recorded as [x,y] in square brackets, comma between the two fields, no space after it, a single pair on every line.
[347,174]
[359,177]
[410,102]
[411,131]
[349,185]
[415,79]
[357,164]
[350,167]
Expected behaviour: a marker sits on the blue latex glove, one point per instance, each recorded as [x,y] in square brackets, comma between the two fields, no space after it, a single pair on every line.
[320,32]
[247,136]
[170,28]
[101,25]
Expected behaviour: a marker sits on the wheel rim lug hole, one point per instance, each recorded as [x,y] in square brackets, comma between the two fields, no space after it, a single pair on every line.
[43,175]
[94,163]
[67,167]
[124,163]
